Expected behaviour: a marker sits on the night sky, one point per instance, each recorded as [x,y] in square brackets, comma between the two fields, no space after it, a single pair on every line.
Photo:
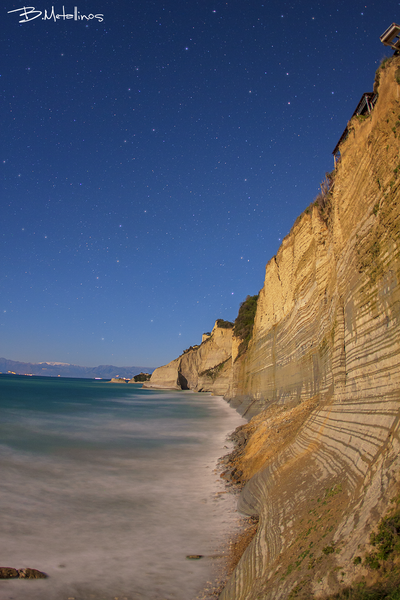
[152,162]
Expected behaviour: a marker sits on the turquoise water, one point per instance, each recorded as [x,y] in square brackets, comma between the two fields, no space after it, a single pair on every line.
[107,488]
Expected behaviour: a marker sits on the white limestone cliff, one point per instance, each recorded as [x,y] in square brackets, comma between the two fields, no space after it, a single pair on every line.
[320,378]
[203,368]
[326,336]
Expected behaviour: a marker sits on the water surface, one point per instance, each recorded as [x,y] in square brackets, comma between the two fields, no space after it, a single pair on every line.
[107,488]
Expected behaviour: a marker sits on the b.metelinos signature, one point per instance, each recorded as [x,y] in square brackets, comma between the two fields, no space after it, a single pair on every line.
[29,13]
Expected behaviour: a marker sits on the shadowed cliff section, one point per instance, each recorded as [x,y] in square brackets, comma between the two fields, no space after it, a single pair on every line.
[326,338]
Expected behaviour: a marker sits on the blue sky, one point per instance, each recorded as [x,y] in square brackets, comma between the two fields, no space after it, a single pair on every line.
[152,161]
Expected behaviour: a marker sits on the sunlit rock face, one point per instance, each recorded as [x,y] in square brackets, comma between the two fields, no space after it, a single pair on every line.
[326,332]
[320,378]
[165,376]
[203,368]
[328,313]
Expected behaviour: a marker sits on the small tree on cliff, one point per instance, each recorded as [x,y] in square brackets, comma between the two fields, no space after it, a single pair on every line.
[243,327]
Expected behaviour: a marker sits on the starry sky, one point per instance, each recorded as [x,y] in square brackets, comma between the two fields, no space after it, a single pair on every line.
[154,155]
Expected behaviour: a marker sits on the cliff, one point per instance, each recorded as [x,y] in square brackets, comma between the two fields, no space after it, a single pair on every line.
[321,377]
[326,319]
[203,368]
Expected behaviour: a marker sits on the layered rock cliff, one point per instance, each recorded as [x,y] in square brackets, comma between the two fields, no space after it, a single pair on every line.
[320,378]
[324,355]
[203,368]
[327,314]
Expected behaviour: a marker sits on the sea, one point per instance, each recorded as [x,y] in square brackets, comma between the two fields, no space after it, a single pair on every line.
[108,488]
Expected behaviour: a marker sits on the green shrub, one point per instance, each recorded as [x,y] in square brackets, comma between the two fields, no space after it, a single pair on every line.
[336,489]
[371,561]
[243,326]
[142,377]
[387,538]
[190,348]
[224,324]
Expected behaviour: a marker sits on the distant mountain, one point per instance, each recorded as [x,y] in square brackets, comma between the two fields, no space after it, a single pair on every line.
[54,369]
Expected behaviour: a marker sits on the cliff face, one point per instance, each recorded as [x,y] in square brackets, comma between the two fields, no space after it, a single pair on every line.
[204,368]
[320,378]
[324,356]
[329,307]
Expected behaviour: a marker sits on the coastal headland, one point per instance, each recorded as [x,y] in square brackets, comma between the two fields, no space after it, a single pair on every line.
[316,370]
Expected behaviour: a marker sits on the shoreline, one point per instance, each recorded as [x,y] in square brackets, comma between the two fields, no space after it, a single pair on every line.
[233,544]
[207,441]
[234,547]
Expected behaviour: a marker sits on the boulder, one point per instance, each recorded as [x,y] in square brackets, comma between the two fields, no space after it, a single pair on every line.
[31,574]
[11,573]
[8,573]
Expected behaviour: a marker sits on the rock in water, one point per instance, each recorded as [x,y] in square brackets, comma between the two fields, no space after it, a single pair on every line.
[8,573]
[31,574]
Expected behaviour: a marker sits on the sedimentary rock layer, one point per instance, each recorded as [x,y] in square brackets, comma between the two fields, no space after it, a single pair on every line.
[328,313]
[327,331]
[320,376]
[203,368]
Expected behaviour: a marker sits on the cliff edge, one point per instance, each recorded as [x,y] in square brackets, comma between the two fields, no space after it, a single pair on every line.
[318,375]
[321,376]
[203,368]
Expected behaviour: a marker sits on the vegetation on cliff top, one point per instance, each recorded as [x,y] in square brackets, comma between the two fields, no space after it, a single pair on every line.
[323,201]
[190,348]
[243,326]
[142,377]
[224,324]
[385,62]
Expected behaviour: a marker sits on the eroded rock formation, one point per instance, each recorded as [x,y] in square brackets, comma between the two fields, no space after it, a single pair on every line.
[326,337]
[203,368]
[320,379]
